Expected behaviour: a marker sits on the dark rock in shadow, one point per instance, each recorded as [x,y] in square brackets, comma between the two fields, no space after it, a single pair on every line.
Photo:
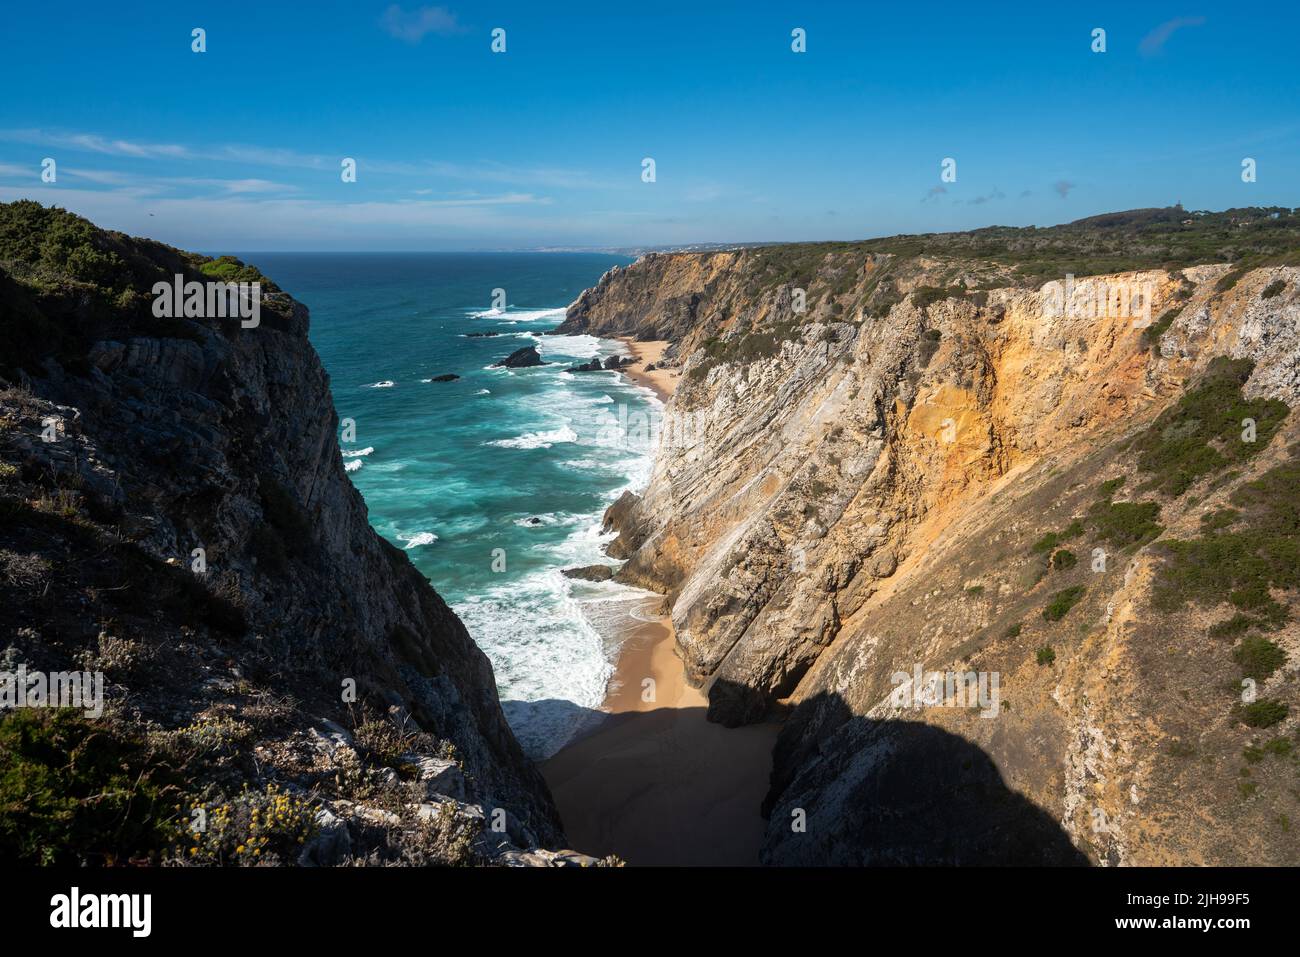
[523,358]
[539,724]
[873,792]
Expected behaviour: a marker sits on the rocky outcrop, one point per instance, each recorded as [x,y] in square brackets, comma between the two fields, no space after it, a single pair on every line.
[185,478]
[591,573]
[611,364]
[864,448]
[524,358]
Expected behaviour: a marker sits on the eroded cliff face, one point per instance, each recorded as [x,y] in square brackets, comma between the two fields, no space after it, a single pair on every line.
[308,653]
[857,490]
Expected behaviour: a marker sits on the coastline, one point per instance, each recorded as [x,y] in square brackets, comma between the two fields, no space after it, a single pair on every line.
[655,782]
[662,382]
[650,779]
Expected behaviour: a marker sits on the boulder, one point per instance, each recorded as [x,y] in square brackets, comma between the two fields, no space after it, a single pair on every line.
[438,776]
[590,573]
[522,359]
[331,844]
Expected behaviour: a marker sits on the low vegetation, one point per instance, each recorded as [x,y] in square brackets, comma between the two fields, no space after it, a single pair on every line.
[73,791]
[1209,428]
[1062,602]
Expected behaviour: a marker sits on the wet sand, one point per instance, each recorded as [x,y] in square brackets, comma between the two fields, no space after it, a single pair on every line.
[662,381]
[656,783]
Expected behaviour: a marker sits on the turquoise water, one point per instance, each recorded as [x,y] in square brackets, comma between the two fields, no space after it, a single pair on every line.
[522,461]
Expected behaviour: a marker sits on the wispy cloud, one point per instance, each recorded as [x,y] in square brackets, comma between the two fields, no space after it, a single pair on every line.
[91,143]
[987,198]
[414,26]
[102,176]
[1154,42]
[486,171]
[1063,187]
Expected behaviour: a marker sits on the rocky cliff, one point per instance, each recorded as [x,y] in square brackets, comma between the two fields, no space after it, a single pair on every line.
[176,516]
[1077,498]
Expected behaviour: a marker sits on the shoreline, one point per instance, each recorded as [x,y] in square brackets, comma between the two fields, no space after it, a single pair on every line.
[655,782]
[650,779]
[662,382]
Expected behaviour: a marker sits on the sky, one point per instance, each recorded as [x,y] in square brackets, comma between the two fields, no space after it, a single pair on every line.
[458,147]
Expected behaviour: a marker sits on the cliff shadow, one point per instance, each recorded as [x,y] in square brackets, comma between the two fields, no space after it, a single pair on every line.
[851,790]
[664,787]
[669,787]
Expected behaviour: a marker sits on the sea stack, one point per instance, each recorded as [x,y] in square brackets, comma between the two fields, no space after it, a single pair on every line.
[522,359]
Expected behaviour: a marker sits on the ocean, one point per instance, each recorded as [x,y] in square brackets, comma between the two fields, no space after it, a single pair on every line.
[496,481]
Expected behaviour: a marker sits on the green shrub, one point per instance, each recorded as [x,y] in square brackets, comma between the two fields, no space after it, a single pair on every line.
[230,269]
[1258,657]
[1013,631]
[1125,523]
[1046,655]
[1063,559]
[1152,333]
[1046,543]
[1263,713]
[924,296]
[1062,602]
[1242,566]
[1234,627]
[1108,488]
[1202,432]
[1273,289]
[1214,521]
[74,791]
[1277,747]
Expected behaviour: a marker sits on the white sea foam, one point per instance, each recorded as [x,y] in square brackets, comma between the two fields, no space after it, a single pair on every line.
[352,466]
[519,315]
[550,518]
[418,539]
[483,392]
[538,440]
[595,465]
[353,453]
[383,384]
[553,641]
[586,347]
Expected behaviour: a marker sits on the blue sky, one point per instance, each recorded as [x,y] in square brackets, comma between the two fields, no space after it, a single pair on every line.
[542,146]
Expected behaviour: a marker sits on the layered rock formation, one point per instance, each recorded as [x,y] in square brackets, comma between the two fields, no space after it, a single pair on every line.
[176,514]
[868,448]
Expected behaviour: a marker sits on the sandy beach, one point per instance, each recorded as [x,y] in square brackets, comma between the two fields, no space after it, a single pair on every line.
[656,783]
[662,381]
